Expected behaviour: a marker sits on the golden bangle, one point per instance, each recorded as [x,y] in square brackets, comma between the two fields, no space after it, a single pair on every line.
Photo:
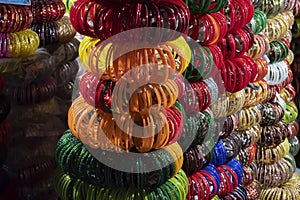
[235,101]
[23,43]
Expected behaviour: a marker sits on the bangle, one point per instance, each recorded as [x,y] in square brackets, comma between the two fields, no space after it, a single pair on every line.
[33,93]
[86,17]
[249,136]
[248,117]
[15,18]
[271,113]
[83,118]
[175,188]
[291,112]
[253,190]
[229,126]
[255,93]
[54,32]
[232,145]
[244,12]
[278,51]
[283,170]
[219,155]
[273,135]
[21,43]
[258,22]
[73,158]
[277,73]
[271,155]
[205,6]
[45,10]
[260,47]
[235,101]
[204,96]
[247,155]
[219,108]
[100,60]
[66,72]
[239,193]
[248,175]
[294,146]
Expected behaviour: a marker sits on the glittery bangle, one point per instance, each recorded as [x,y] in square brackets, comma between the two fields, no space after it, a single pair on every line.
[45,10]
[15,18]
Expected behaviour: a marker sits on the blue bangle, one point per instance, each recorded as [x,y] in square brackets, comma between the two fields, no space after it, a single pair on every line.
[236,166]
[219,155]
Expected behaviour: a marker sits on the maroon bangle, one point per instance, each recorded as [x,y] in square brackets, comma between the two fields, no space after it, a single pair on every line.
[47,10]
[5,129]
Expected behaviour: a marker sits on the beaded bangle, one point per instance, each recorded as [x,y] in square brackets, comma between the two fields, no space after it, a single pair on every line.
[271,155]
[47,10]
[248,175]
[5,129]
[33,93]
[83,120]
[235,101]
[253,190]
[74,159]
[86,17]
[272,175]
[175,188]
[249,136]
[99,59]
[21,44]
[273,135]
[248,117]
[15,18]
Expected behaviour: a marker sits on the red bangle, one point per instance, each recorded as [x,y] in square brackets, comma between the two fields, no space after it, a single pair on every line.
[226,183]
[14,18]
[248,175]
[103,19]
[47,10]
[209,177]
[233,175]
[229,13]
[204,96]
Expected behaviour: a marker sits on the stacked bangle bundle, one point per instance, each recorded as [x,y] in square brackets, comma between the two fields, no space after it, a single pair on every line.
[87,16]
[67,187]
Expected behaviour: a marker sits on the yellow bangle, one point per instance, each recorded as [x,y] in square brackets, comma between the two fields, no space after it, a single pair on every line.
[23,43]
